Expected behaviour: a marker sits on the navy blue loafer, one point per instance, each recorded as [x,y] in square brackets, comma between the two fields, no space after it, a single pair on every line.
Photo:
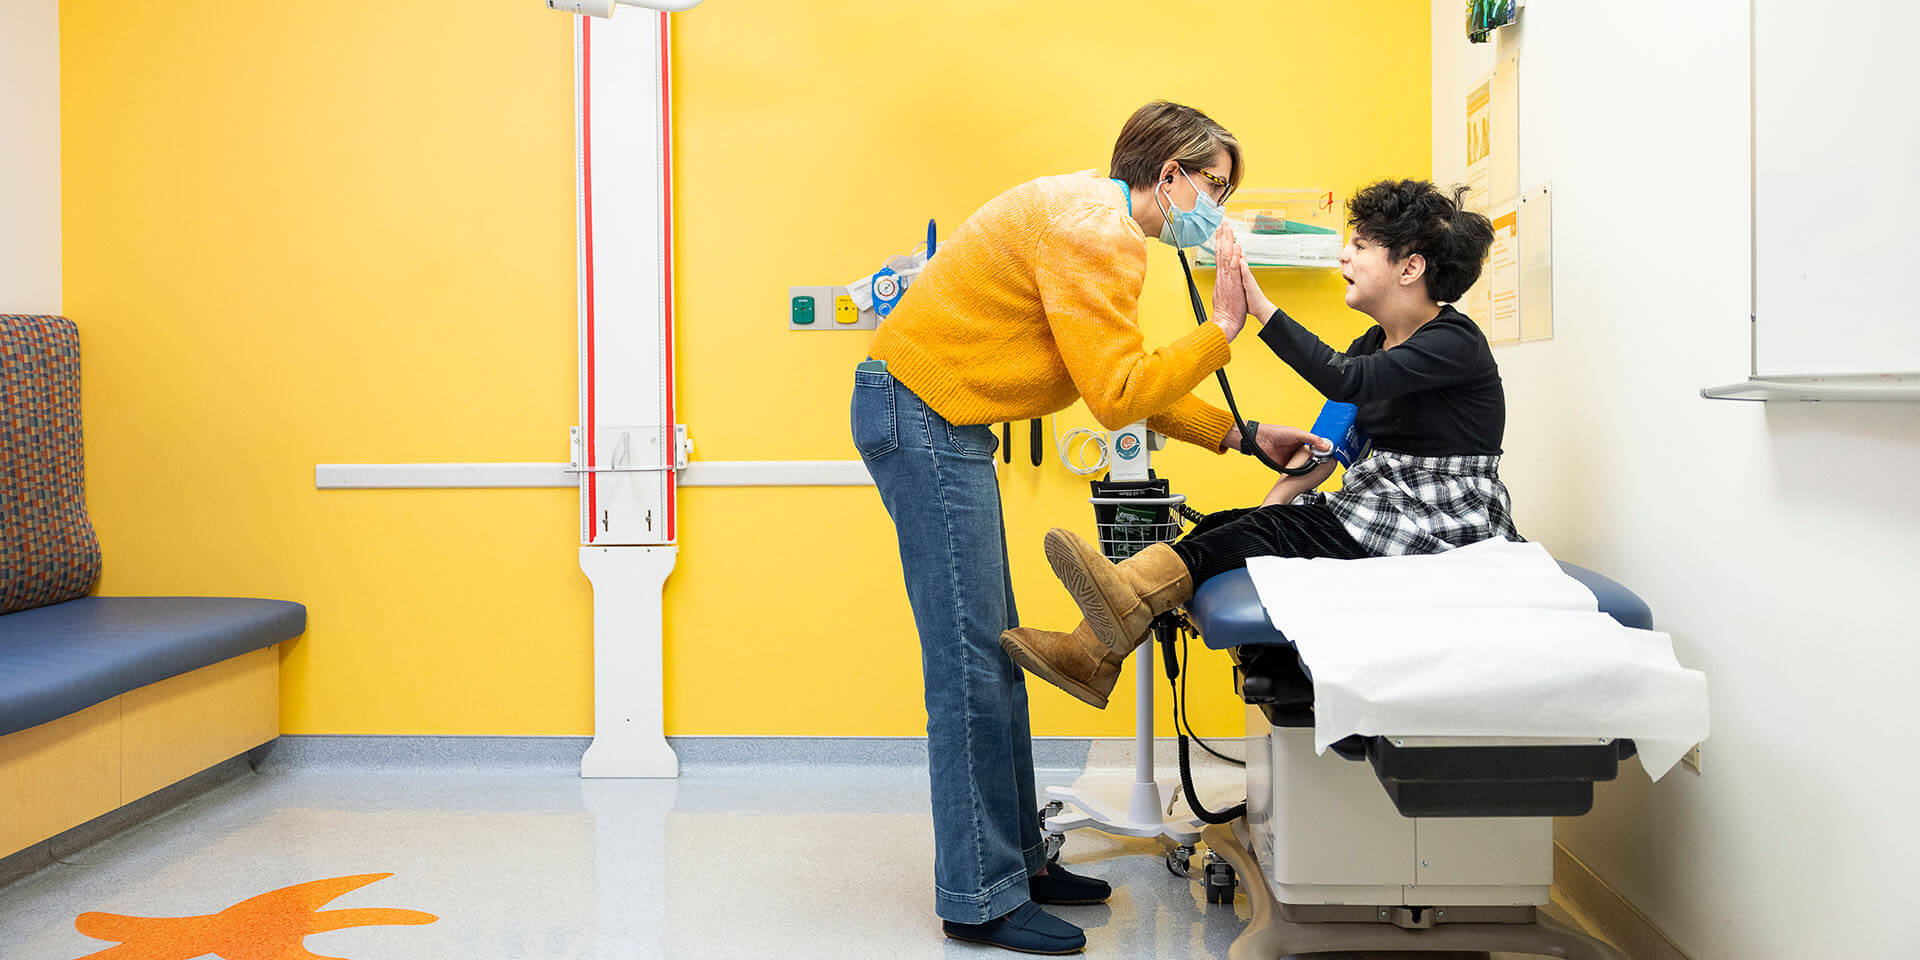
[1028,929]
[1060,888]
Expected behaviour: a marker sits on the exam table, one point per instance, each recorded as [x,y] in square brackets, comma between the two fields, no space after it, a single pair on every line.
[1392,842]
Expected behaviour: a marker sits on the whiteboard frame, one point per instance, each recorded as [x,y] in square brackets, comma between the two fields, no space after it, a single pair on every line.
[1871,381]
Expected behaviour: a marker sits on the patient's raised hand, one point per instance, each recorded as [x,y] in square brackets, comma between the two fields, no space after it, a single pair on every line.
[1257,302]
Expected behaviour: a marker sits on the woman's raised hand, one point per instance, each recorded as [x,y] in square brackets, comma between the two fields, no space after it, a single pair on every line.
[1229,291]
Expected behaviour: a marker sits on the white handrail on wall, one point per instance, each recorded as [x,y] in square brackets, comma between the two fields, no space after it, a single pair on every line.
[699,473]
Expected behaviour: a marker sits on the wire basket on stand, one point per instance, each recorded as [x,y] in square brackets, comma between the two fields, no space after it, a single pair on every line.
[1132,515]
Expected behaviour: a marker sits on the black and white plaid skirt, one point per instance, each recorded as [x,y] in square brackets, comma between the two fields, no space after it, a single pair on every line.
[1396,504]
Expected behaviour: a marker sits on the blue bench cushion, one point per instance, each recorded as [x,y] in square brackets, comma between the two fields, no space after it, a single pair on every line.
[64,658]
[1228,613]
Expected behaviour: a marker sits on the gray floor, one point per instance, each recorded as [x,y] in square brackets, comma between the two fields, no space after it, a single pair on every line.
[784,860]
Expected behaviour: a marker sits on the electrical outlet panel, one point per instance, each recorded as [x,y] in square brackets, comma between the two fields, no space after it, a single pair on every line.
[826,308]
[803,307]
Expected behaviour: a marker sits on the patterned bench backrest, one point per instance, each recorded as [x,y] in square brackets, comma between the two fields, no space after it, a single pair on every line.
[49,553]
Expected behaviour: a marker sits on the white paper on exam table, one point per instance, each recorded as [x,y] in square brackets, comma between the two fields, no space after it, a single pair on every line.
[1492,639]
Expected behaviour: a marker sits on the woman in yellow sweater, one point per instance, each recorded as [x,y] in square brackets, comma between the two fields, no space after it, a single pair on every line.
[1031,303]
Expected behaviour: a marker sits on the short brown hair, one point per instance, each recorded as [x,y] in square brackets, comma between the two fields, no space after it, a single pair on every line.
[1162,131]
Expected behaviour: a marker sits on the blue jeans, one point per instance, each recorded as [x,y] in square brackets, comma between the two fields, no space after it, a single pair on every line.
[938,483]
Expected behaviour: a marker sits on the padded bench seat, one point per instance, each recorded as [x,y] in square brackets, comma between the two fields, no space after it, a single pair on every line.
[104,701]
[60,659]
[1452,780]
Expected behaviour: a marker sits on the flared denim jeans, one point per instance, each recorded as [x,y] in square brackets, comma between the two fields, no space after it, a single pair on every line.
[938,483]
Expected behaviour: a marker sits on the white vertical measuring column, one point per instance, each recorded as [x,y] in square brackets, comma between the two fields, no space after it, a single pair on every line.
[625,444]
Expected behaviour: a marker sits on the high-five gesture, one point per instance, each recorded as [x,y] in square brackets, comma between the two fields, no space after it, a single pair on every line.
[1256,299]
[1229,290]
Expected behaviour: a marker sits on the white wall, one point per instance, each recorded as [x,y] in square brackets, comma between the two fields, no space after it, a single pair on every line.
[30,156]
[1779,543]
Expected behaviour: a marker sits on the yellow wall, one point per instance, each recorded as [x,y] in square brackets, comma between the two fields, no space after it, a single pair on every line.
[343,232]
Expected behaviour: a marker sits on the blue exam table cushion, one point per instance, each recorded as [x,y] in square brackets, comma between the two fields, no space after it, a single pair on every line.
[1228,613]
[61,659]
[1505,781]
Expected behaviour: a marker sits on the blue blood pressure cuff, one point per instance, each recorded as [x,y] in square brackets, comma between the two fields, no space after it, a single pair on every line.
[1339,424]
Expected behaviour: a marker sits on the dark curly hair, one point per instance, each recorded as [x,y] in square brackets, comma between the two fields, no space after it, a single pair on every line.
[1414,216]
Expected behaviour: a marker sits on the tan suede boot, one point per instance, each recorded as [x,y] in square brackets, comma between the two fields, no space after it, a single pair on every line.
[1120,601]
[1076,662]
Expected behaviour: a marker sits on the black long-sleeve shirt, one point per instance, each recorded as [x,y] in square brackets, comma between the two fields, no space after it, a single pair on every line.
[1436,395]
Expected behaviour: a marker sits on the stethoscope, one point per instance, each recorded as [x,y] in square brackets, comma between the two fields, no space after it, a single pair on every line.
[1248,428]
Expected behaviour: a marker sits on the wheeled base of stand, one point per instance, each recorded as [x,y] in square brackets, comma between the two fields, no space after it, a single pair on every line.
[1070,809]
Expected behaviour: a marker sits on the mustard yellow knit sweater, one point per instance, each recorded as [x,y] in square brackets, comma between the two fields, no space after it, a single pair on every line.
[1033,302]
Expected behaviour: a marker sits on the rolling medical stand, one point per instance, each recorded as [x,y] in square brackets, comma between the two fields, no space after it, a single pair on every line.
[1132,511]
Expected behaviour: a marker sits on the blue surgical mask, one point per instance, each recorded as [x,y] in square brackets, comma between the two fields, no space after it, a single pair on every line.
[1189,228]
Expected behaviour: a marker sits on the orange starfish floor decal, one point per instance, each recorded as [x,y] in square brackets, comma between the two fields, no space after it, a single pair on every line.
[270,926]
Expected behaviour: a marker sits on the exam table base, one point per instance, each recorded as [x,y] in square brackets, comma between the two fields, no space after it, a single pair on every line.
[1271,936]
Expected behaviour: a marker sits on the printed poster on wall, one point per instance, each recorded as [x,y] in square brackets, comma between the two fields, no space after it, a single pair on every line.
[1502,278]
[1478,301]
[1493,188]
[1535,223]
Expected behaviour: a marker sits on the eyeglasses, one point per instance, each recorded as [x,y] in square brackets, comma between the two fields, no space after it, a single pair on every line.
[1225,188]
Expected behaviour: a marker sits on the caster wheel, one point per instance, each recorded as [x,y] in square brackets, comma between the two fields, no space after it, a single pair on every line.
[1053,843]
[1052,809]
[1179,861]
[1219,879]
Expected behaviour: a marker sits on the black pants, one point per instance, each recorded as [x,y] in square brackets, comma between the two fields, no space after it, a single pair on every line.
[1223,541]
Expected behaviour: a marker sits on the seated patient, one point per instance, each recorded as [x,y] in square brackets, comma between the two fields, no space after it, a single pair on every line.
[1429,397]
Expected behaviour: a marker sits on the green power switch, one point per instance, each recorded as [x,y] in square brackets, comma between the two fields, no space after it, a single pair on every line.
[802,311]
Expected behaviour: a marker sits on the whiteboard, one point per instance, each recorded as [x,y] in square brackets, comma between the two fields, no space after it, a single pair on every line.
[1836,205]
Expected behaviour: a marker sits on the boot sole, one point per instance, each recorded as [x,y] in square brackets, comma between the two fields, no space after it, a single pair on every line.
[1027,660]
[1070,565]
[1043,953]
